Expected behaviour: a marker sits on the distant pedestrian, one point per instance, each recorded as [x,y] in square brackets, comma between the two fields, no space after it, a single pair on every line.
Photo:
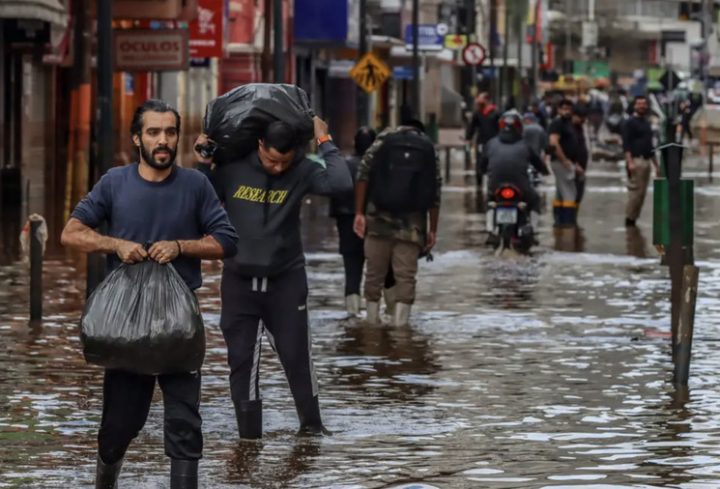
[564,149]
[176,209]
[639,156]
[579,119]
[535,135]
[483,126]
[342,208]
[397,194]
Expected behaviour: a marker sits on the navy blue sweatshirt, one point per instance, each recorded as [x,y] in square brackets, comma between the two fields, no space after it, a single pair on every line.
[265,209]
[181,207]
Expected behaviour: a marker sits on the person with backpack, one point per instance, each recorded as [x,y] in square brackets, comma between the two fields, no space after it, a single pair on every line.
[342,208]
[264,287]
[397,208]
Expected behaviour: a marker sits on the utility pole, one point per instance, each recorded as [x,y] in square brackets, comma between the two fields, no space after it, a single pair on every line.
[278,58]
[491,47]
[470,71]
[416,57]
[361,97]
[534,49]
[506,51]
[104,145]
[266,54]
[520,31]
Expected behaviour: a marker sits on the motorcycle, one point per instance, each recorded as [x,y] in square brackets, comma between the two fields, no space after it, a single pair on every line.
[509,222]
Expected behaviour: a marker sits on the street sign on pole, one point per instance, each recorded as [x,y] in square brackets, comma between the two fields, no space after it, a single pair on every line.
[429,39]
[474,54]
[370,73]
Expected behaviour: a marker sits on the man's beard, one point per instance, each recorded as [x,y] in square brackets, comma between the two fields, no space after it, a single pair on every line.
[150,158]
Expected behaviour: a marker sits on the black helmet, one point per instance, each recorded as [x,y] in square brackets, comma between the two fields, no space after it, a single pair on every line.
[511,121]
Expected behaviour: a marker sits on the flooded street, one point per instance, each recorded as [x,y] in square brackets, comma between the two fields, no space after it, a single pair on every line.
[517,372]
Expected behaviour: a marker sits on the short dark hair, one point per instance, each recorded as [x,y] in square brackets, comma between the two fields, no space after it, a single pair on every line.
[280,136]
[151,105]
[566,102]
[416,123]
[639,97]
[364,138]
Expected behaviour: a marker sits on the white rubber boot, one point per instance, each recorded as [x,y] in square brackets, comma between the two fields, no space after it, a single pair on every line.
[352,304]
[373,313]
[402,314]
[390,301]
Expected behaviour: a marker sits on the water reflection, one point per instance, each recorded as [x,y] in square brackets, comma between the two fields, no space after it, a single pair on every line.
[569,239]
[636,242]
[382,360]
[254,463]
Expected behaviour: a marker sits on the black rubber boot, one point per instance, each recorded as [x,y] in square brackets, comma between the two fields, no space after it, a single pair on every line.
[310,421]
[249,419]
[183,474]
[106,476]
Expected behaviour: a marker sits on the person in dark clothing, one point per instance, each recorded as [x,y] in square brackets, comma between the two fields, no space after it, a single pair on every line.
[579,118]
[507,158]
[639,156]
[264,287]
[342,208]
[134,201]
[564,150]
[484,125]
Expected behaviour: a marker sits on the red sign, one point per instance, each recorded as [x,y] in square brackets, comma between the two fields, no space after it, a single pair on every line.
[206,32]
[150,49]
[474,54]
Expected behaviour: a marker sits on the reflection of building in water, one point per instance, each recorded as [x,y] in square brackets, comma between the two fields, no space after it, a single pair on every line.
[636,242]
[569,239]
[393,352]
[246,464]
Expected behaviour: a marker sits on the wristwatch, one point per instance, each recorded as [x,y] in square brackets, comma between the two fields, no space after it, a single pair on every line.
[324,139]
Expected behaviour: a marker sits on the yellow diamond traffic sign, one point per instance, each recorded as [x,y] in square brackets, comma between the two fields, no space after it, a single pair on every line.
[456,41]
[370,73]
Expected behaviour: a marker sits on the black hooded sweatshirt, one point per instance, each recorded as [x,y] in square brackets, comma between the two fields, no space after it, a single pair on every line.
[265,209]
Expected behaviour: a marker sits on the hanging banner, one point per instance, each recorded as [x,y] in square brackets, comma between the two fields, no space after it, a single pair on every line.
[206,31]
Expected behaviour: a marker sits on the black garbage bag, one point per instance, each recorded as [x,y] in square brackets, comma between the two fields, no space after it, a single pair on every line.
[236,120]
[143,318]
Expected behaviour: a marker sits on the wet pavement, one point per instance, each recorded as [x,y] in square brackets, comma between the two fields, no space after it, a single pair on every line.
[547,371]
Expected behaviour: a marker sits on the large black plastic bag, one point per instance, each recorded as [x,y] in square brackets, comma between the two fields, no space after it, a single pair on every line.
[143,318]
[237,119]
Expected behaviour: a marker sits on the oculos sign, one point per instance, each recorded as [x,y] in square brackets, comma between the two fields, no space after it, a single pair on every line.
[150,49]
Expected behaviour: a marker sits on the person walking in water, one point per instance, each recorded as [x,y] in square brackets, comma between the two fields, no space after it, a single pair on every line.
[639,158]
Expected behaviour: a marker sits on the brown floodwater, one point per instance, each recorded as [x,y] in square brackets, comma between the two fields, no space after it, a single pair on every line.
[549,371]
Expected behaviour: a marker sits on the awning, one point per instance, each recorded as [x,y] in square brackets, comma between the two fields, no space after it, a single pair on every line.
[52,11]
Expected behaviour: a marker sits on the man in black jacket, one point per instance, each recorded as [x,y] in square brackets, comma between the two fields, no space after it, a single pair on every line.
[484,123]
[264,288]
[639,155]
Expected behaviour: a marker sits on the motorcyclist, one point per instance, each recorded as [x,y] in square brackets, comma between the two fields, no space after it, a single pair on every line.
[507,157]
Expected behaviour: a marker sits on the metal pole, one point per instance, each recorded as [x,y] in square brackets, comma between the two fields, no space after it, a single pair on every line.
[278,58]
[104,124]
[534,52]
[672,156]
[518,69]
[470,71]
[416,57]
[36,271]
[682,348]
[491,47]
[362,97]
[267,34]
[506,51]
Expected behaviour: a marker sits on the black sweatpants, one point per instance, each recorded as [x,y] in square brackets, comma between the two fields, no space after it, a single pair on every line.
[277,306]
[352,250]
[126,404]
